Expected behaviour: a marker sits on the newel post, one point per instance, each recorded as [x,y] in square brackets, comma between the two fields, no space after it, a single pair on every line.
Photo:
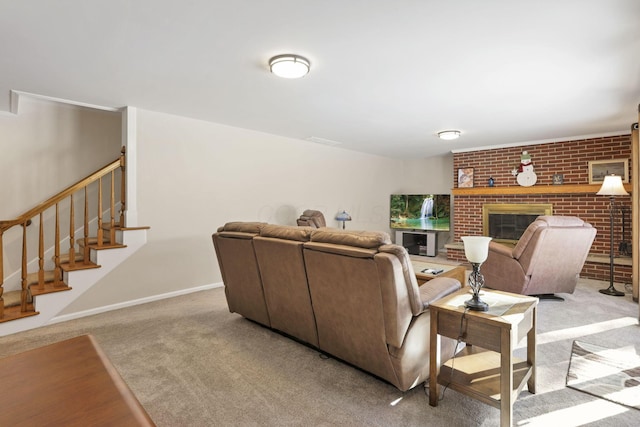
[1,276]
[123,187]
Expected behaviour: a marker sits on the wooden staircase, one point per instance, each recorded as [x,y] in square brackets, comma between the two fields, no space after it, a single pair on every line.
[51,280]
[56,271]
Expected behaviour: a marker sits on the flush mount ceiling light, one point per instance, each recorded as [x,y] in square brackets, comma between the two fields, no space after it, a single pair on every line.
[289,66]
[449,134]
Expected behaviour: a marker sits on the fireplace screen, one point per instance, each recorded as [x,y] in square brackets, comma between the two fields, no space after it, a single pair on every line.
[506,222]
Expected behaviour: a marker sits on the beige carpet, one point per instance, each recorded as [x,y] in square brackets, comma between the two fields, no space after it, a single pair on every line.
[608,373]
[192,363]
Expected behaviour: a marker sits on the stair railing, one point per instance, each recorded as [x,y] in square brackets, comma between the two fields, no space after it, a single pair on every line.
[108,172]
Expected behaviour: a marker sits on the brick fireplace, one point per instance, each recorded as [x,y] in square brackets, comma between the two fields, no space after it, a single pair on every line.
[574,197]
[506,222]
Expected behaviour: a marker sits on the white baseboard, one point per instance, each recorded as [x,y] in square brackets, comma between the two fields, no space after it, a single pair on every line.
[104,309]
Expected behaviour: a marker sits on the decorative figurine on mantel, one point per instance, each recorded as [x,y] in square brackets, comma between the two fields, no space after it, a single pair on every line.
[524,173]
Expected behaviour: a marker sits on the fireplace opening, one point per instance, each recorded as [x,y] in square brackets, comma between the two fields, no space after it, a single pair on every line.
[506,222]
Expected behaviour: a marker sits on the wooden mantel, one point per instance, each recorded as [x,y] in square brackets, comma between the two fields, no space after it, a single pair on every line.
[536,189]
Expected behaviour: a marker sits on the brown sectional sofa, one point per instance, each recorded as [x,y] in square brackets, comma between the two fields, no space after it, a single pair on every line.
[351,294]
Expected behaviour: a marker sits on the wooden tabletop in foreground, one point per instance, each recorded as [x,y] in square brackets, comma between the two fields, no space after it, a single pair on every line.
[69,383]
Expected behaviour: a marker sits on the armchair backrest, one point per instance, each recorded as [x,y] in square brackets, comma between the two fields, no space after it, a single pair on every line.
[553,250]
[312,218]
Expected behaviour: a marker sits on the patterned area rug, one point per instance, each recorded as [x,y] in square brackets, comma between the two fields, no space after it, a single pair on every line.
[612,374]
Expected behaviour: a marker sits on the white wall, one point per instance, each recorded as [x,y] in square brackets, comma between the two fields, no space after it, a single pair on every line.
[433,175]
[44,148]
[427,176]
[49,146]
[194,176]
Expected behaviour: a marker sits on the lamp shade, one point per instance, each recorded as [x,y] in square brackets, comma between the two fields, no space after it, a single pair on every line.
[289,66]
[612,186]
[476,248]
[343,216]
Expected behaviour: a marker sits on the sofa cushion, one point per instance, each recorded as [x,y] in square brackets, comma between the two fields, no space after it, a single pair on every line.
[360,239]
[286,232]
[341,249]
[243,227]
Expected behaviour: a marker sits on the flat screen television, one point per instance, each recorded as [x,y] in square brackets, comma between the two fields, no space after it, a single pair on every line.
[431,212]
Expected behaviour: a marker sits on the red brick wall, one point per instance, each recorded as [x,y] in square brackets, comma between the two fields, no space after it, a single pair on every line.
[570,159]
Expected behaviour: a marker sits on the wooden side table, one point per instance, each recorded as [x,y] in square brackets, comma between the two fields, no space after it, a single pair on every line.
[455,271]
[491,337]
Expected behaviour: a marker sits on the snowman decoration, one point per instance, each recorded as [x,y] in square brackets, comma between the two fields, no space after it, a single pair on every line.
[524,173]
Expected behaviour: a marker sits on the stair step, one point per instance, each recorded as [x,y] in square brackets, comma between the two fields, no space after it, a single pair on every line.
[11,298]
[107,226]
[14,312]
[33,279]
[13,309]
[79,266]
[79,263]
[77,256]
[93,240]
[106,244]
[49,288]
[117,226]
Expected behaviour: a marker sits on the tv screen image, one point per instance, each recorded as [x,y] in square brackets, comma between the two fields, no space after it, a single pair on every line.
[430,212]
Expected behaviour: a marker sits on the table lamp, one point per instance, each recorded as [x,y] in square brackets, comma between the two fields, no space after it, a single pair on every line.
[476,249]
[343,217]
[612,187]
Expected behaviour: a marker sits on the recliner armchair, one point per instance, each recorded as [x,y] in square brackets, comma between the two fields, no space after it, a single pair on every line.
[312,218]
[546,260]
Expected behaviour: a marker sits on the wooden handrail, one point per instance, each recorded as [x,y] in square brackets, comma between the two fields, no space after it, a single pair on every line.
[5,225]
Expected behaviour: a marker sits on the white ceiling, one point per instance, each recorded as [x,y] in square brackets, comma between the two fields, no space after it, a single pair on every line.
[385,75]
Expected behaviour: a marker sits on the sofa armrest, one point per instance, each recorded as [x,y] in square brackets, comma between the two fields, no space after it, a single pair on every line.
[436,289]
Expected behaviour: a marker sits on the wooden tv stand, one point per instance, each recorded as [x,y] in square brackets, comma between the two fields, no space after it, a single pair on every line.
[418,242]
